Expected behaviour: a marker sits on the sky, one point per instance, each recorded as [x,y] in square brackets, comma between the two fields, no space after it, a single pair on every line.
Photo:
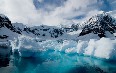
[54,12]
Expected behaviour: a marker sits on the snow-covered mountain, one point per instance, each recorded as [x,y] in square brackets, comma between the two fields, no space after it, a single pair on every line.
[100,24]
[7,30]
[13,30]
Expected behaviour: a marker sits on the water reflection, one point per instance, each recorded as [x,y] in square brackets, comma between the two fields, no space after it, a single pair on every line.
[5,52]
[26,64]
[4,62]
[56,62]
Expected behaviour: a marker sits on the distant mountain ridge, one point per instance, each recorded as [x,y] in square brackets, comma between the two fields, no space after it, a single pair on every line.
[97,24]
[7,29]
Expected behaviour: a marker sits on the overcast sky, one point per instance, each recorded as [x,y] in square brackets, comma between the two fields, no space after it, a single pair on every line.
[54,12]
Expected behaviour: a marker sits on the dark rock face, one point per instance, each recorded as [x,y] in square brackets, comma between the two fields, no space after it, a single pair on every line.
[5,22]
[56,33]
[99,24]
[3,36]
[53,32]
[4,62]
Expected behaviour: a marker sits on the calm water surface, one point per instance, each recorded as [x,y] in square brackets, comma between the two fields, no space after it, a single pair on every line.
[56,62]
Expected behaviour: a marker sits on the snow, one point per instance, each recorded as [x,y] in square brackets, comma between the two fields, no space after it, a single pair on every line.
[109,35]
[3,16]
[11,35]
[89,36]
[115,34]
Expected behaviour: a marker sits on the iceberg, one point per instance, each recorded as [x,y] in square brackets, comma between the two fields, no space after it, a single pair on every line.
[104,48]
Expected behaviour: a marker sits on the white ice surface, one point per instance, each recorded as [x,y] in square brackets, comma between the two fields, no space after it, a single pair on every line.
[102,48]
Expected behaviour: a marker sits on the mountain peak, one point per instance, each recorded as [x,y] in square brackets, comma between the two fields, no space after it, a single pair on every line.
[98,24]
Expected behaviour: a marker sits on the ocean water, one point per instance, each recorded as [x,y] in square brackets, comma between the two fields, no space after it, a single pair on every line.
[56,62]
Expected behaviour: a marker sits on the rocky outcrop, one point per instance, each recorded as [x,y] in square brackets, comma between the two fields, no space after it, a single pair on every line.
[99,24]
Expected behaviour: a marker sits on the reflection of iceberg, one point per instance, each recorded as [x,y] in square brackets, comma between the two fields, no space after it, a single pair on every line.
[5,49]
[91,65]
[6,66]
[56,62]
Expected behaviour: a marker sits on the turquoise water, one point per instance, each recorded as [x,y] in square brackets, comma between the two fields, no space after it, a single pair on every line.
[56,62]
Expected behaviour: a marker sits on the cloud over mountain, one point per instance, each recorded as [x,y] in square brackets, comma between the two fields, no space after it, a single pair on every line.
[53,12]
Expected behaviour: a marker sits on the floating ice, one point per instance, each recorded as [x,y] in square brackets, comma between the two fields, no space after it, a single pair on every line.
[104,48]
